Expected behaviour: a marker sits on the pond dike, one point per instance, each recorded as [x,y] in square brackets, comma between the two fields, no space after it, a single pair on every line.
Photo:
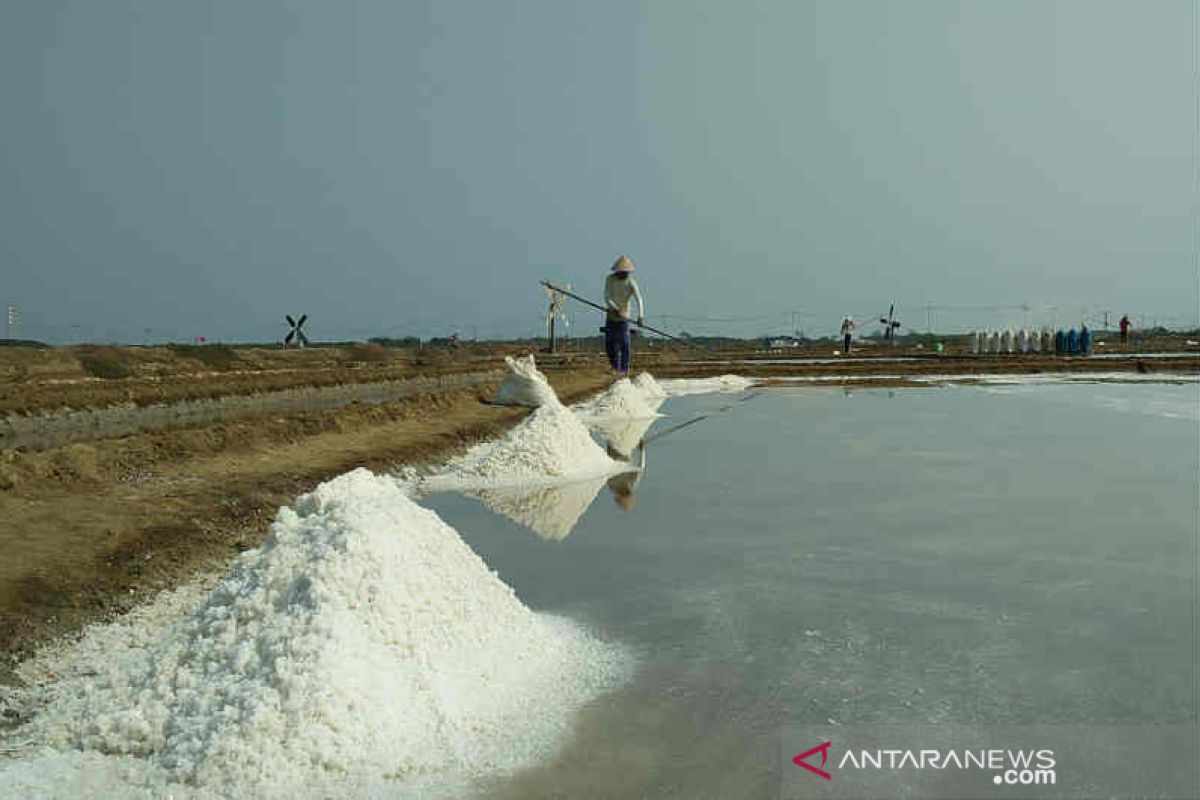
[64,426]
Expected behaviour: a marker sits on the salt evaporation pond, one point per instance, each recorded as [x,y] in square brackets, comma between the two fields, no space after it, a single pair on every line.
[971,555]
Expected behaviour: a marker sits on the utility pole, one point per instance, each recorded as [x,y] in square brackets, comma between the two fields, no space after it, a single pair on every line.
[928,318]
[11,316]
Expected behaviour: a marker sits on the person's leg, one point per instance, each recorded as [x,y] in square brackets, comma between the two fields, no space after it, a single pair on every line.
[611,346]
[846,343]
[626,347]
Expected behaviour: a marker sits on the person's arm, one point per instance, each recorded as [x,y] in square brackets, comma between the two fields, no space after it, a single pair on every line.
[637,295]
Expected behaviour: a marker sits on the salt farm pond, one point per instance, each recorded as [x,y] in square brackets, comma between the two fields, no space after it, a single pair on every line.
[1006,554]
[960,555]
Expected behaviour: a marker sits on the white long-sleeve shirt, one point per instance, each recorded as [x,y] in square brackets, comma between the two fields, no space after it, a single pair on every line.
[617,294]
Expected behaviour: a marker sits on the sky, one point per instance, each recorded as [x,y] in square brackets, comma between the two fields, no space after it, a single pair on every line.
[172,169]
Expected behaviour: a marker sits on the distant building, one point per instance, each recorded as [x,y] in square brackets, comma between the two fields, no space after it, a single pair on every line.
[781,342]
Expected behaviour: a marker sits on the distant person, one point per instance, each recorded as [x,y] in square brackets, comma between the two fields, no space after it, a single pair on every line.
[1125,325]
[847,334]
[1085,340]
[619,289]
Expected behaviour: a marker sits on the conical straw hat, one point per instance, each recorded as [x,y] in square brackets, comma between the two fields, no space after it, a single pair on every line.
[623,264]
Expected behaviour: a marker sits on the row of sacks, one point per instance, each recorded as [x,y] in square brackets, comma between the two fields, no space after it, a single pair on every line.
[1068,342]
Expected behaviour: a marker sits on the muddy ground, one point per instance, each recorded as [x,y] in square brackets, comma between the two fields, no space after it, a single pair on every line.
[90,527]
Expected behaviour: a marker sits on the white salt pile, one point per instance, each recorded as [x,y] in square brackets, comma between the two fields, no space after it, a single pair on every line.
[649,387]
[723,383]
[550,445]
[524,385]
[623,400]
[364,644]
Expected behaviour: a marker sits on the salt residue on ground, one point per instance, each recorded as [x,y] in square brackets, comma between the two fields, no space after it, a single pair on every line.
[364,643]
[550,445]
[677,387]
[622,400]
[524,385]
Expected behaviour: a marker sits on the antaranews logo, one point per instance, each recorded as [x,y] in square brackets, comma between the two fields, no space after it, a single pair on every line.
[824,751]
[1010,767]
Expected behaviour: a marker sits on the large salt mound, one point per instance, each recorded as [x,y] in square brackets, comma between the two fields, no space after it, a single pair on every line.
[524,385]
[363,643]
[549,445]
[623,400]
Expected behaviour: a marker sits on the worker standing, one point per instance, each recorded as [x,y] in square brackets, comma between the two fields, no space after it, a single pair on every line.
[1125,325]
[619,290]
[847,334]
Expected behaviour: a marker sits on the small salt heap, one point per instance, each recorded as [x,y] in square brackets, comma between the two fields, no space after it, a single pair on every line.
[524,385]
[551,444]
[649,387]
[623,400]
[364,644]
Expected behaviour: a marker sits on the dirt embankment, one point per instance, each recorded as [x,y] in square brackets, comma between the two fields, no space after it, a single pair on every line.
[92,528]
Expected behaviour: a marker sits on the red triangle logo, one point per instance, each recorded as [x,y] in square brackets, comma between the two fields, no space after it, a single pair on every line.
[824,751]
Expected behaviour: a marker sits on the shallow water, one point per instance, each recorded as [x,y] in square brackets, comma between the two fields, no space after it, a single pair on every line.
[971,555]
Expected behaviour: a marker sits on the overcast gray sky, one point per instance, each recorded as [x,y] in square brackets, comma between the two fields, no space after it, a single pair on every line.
[414,167]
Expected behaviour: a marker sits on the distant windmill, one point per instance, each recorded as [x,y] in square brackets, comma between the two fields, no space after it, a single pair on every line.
[295,332]
[890,324]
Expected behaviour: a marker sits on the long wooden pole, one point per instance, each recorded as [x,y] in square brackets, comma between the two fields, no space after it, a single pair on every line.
[599,307]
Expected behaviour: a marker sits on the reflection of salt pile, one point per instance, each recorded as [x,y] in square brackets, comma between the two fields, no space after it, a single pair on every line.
[549,444]
[722,383]
[363,639]
[524,385]
[549,511]
[649,387]
[622,400]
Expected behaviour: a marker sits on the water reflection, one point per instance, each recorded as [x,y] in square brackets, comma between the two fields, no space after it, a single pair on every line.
[549,511]
[624,486]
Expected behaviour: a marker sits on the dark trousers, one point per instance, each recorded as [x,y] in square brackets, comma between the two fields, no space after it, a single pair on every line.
[846,343]
[616,344]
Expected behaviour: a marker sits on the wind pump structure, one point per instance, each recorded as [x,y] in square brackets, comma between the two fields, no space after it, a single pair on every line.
[295,333]
[556,313]
[890,324]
